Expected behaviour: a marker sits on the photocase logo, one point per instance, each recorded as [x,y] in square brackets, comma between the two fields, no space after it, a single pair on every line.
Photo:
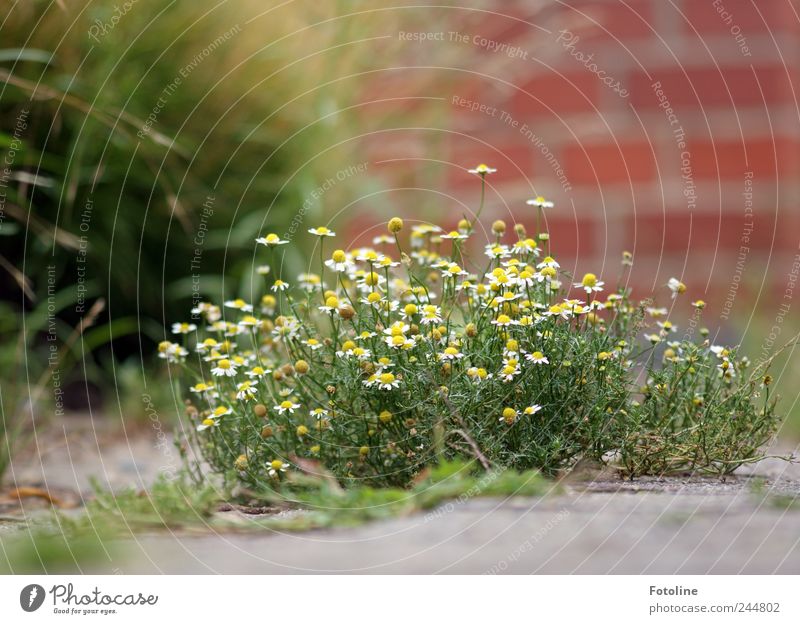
[31,597]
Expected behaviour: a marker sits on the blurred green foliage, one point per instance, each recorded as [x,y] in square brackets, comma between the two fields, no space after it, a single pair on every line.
[144,150]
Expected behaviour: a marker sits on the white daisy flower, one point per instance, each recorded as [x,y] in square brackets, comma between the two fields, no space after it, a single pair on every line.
[537,357]
[540,202]
[257,372]
[676,286]
[590,283]
[455,235]
[224,368]
[321,231]
[286,406]
[271,240]
[239,304]
[277,466]
[482,170]
[183,328]
[431,314]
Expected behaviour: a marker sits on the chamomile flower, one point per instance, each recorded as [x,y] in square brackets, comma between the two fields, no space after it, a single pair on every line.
[548,262]
[250,321]
[450,354]
[383,239]
[224,368]
[503,320]
[239,304]
[384,381]
[331,304]
[399,341]
[321,231]
[540,202]
[206,345]
[257,372]
[526,246]
[431,314]
[339,262]
[509,416]
[220,411]
[537,357]
[510,370]
[409,311]
[279,286]
[666,327]
[370,256]
[676,286]
[531,410]
[497,251]
[313,344]
[477,374]
[590,283]
[271,240]
[453,270]
[183,328]
[319,413]
[276,467]
[386,262]
[526,279]
[482,170]
[287,405]
[208,311]
[309,282]
[719,351]
[207,423]
[202,388]
[455,235]
[287,329]
[263,269]
[245,391]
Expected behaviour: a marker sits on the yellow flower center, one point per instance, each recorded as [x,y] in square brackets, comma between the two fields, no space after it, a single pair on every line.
[339,256]
[589,280]
[386,378]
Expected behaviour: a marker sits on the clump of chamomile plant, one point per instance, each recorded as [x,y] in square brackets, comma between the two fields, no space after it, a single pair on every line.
[396,357]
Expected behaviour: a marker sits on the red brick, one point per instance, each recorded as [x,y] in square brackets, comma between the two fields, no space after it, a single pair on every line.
[605,20]
[750,16]
[678,231]
[731,159]
[555,93]
[710,87]
[608,163]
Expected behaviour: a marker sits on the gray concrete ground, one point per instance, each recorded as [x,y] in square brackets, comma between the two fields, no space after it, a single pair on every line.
[665,526]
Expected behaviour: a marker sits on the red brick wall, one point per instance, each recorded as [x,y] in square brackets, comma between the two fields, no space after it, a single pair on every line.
[728,69]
